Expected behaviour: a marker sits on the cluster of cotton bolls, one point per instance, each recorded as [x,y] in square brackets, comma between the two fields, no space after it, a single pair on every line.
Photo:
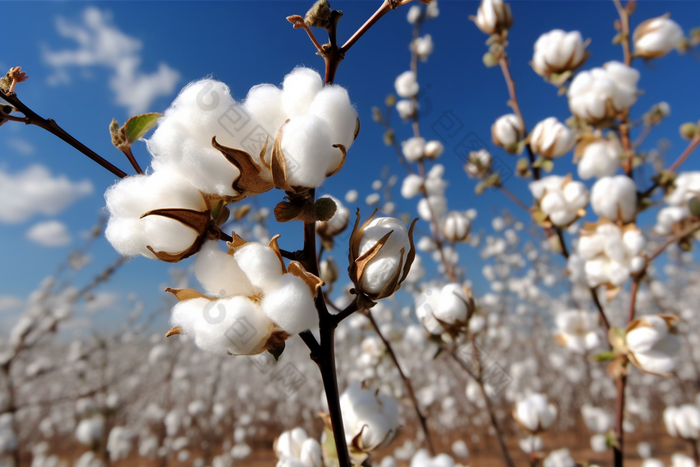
[686,187]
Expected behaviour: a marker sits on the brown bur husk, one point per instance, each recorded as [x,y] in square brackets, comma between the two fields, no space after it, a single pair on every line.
[358,263]
[206,223]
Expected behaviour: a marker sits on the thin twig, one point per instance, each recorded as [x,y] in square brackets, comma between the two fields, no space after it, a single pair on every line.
[406,382]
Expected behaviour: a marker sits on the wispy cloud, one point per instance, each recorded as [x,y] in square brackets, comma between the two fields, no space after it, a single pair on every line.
[36,191]
[102,44]
[50,234]
[21,146]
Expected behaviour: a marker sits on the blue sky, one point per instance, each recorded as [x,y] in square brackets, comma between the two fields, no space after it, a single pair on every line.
[245,43]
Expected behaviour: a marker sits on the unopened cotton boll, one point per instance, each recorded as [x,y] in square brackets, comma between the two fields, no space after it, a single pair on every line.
[598,157]
[602,93]
[615,198]
[132,197]
[507,131]
[493,16]
[406,85]
[456,227]
[557,52]
[337,223]
[370,417]
[550,138]
[656,37]
[534,413]
[382,275]
[653,344]
[413,148]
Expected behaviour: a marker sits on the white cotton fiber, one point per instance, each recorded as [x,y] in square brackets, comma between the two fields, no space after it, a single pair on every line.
[219,272]
[308,151]
[299,89]
[332,104]
[182,140]
[260,264]
[290,305]
[264,106]
[236,325]
[133,196]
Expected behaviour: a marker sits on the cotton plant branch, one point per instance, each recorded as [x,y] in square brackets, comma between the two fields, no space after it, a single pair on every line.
[50,125]
[406,382]
[479,379]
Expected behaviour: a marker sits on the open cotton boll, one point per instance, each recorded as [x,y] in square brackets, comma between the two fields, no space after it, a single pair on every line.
[311,455]
[370,413]
[615,198]
[182,140]
[406,85]
[264,106]
[290,443]
[308,150]
[411,186]
[90,430]
[290,305]
[299,89]
[452,307]
[413,148]
[133,196]
[219,273]
[599,159]
[260,264]
[332,105]
[234,325]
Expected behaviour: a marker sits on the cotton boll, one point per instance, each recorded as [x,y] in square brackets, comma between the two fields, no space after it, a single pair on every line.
[558,51]
[434,149]
[182,140]
[414,13]
[90,430]
[406,85]
[134,196]
[384,265]
[308,151]
[332,105]
[351,196]
[656,37]
[432,207]
[406,108]
[299,89]
[264,105]
[413,148]
[411,186]
[372,199]
[460,449]
[235,325]
[219,273]
[599,159]
[615,198]
[260,263]
[291,305]
[550,138]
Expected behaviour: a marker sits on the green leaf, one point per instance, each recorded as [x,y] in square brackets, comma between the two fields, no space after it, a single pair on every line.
[136,127]
[694,205]
[603,357]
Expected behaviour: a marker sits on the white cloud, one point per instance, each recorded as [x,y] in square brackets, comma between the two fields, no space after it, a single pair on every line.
[35,191]
[50,234]
[22,146]
[101,301]
[10,303]
[101,43]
